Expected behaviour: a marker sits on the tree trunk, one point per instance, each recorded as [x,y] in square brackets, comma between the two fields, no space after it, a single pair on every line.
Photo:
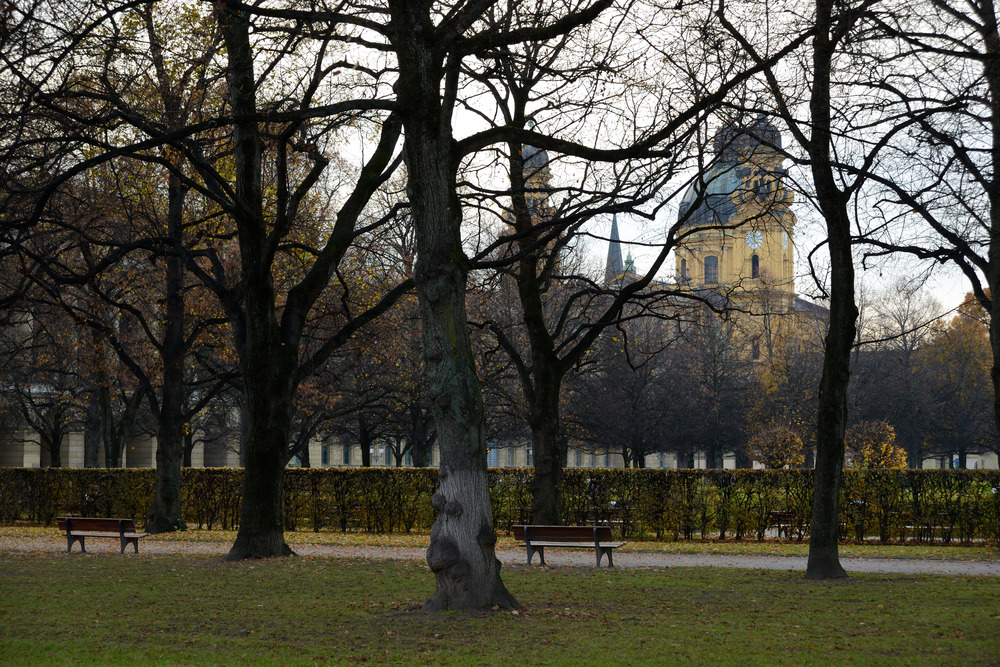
[165,511]
[92,435]
[302,454]
[690,460]
[991,71]
[824,560]
[114,444]
[547,442]
[188,449]
[54,446]
[365,442]
[269,390]
[422,441]
[268,362]
[462,549]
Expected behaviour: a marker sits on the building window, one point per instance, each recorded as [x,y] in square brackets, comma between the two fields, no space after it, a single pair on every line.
[531,460]
[684,269]
[579,458]
[755,349]
[755,267]
[324,455]
[347,455]
[711,270]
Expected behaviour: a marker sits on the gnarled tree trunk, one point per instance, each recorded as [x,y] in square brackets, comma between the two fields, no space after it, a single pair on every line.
[462,550]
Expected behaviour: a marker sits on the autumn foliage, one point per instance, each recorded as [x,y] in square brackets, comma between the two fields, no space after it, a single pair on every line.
[777,447]
[872,444]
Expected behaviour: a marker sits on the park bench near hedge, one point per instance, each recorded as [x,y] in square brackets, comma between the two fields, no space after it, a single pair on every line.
[536,538]
[78,529]
[782,520]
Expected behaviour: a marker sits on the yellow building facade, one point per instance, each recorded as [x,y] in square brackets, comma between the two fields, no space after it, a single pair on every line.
[737,237]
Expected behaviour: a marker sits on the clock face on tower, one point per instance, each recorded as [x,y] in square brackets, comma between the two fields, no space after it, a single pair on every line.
[754,239]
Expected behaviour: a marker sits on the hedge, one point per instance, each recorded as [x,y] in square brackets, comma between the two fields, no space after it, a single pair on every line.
[891,505]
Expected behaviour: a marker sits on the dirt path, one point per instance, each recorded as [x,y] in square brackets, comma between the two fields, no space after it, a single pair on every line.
[556,558]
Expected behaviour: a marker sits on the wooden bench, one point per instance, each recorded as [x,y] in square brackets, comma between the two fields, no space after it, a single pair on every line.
[536,538]
[782,520]
[78,529]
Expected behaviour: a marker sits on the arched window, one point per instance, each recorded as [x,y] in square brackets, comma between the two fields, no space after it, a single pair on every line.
[755,349]
[684,269]
[711,270]
[755,267]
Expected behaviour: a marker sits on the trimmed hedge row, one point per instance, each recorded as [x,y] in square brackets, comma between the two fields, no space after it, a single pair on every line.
[892,505]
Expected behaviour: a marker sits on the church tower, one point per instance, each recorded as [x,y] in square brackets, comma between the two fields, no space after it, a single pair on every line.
[739,228]
[614,267]
[537,182]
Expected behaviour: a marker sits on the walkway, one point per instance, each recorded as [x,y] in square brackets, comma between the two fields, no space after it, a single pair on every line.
[558,558]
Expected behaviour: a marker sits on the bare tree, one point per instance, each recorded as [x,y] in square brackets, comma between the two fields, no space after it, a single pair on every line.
[268,259]
[838,148]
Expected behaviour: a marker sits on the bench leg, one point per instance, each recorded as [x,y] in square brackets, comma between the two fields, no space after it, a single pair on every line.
[539,550]
[70,539]
[601,552]
[133,540]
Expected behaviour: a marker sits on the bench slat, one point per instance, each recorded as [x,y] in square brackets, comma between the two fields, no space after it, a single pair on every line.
[576,545]
[564,533]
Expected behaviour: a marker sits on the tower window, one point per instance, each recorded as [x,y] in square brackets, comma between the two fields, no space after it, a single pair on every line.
[755,267]
[711,270]
[755,349]
[684,269]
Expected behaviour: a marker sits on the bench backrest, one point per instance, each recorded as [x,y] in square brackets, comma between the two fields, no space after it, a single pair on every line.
[563,533]
[97,525]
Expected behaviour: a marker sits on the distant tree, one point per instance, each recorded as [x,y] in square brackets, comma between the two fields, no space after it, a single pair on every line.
[622,403]
[872,444]
[783,389]
[956,362]
[721,376]
[777,447]
[889,382]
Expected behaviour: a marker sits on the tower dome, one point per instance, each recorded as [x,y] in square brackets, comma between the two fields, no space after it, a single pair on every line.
[737,217]
[536,164]
[740,150]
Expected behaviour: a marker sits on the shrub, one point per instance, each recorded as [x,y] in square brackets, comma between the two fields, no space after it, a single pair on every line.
[920,505]
[872,444]
[777,447]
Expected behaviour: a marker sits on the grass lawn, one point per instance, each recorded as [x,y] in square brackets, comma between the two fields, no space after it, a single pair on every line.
[301,611]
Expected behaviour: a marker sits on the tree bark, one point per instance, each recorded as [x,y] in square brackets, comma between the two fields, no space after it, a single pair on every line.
[421,439]
[267,363]
[365,443]
[824,560]
[462,550]
[546,484]
[54,447]
[165,511]
[991,71]
[92,435]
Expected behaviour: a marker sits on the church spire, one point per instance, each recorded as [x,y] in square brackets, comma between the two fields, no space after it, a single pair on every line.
[629,263]
[614,267]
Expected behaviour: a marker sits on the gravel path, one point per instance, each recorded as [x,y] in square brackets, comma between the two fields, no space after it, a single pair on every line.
[557,558]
